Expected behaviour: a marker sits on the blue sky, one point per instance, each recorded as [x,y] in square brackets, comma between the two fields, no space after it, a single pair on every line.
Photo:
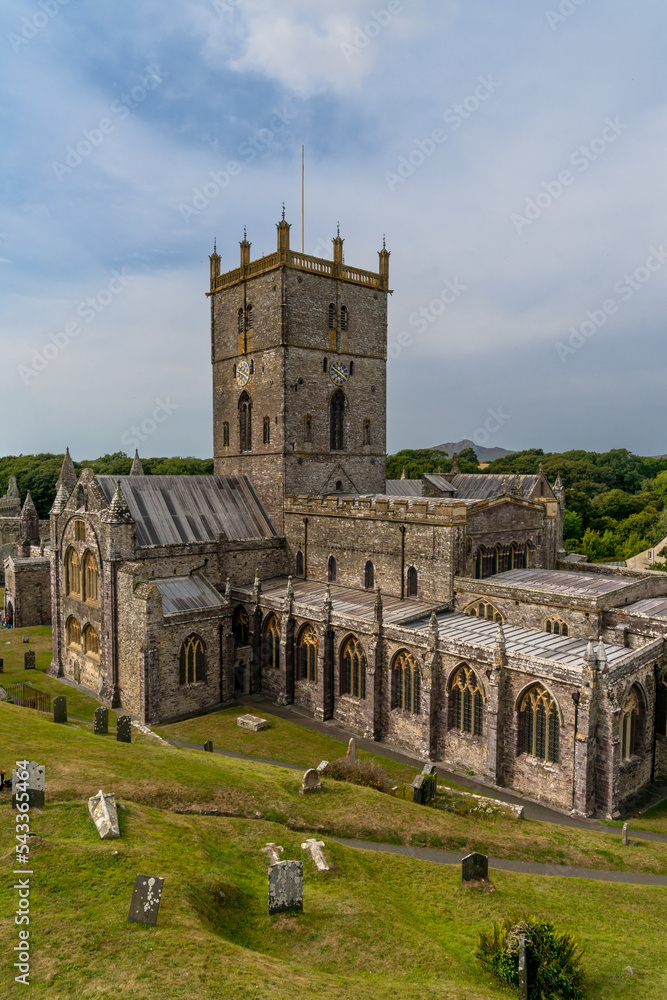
[512,153]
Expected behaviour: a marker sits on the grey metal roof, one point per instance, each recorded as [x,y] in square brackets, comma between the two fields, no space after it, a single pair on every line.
[177,510]
[479,486]
[187,593]
[531,642]
[403,488]
[440,482]
[651,606]
[558,581]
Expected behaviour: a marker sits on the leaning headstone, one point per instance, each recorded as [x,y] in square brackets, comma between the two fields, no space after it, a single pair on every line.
[252,722]
[30,780]
[322,764]
[26,638]
[60,708]
[285,886]
[315,848]
[273,852]
[124,729]
[311,782]
[523,969]
[101,721]
[29,659]
[145,900]
[424,786]
[474,866]
[418,791]
[352,749]
[208,746]
[624,835]
[104,814]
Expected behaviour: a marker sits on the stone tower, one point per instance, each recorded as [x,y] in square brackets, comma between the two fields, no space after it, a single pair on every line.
[298,347]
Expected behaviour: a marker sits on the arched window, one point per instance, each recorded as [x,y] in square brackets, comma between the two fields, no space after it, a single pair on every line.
[556,626]
[91,586]
[630,726]
[272,643]
[336,418]
[369,575]
[240,325]
[367,431]
[225,435]
[339,486]
[351,371]
[298,563]
[91,643]
[72,573]
[80,530]
[249,324]
[245,422]
[353,668]
[344,319]
[331,316]
[241,626]
[192,660]
[413,582]
[484,609]
[325,364]
[308,427]
[73,632]
[467,702]
[540,725]
[331,569]
[406,683]
[307,654]
[266,434]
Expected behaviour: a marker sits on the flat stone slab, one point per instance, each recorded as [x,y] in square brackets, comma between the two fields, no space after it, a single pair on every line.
[145,900]
[252,722]
[104,814]
[285,886]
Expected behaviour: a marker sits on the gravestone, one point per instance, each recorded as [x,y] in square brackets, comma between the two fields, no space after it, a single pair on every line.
[101,721]
[104,814]
[26,638]
[29,659]
[352,749]
[285,886]
[252,722]
[624,835]
[2,665]
[60,708]
[273,852]
[208,746]
[523,969]
[311,782]
[124,729]
[322,764]
[425,786]
[30,780]
[474,866]
[315,848]
[3,694]
[145,899]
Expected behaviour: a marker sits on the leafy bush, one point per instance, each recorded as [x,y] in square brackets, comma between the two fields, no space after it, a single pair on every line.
[359,772]
[553,958]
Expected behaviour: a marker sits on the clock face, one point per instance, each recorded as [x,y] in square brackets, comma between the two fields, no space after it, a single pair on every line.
[242,372]
[338,373]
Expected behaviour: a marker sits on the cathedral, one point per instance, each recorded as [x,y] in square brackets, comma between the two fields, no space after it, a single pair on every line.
[439,615]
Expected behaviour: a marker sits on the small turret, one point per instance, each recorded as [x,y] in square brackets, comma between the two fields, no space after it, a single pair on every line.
[28,527]
[137,468]
[384,255]
[338,247]
[60,502]
[118,512]
[283,233]
[214,259]
[245,249]
[68,476]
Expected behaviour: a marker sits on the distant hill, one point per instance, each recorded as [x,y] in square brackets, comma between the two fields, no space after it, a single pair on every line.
[483,454]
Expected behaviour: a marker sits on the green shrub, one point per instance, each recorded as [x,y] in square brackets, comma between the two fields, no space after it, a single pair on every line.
[553,958]
[359,772]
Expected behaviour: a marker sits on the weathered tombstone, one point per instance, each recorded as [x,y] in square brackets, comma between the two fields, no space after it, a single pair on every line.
[315,848]
[60,708]
[208,746]
[523,969]
[3,694]
[285,886]
[252,722]
[26,638]
[2,665]
[273,852]
[624,835]
[311,782]
[124,729]
[352,749]
[474,866]
[425,785]
[418,790]
[322,764]
[29,659]
[145,899]
[101,721]
[104,814]
[30,780]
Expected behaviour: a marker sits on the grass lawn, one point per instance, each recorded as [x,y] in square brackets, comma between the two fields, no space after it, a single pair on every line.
[377,926]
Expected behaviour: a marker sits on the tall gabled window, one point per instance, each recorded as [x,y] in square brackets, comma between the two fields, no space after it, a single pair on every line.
[307,654]
[191,660]
[91,591]
[272,643]
[367,431]
[245,422]
[331,316]
[630,725]
[336,421]
[241,626]
[91,643]
[72,573]
[540,725]
[266,430]
[406,683]
[353,668]
[369,575]
[331,569]
[413,582]
[467,702]
[556,626]
[344,318]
